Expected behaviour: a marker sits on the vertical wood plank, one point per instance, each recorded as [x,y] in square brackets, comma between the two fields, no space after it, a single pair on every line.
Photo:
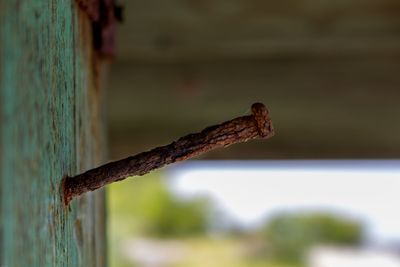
[51,127]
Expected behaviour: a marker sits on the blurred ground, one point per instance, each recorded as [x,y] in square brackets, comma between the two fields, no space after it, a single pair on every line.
[197,252]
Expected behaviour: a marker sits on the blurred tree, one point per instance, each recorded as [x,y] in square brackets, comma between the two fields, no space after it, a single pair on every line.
[152,210]
[290,235]
[165,215]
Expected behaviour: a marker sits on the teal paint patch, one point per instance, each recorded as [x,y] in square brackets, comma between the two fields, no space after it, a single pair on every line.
[47,110]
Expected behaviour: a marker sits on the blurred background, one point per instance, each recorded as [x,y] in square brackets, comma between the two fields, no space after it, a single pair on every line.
[320,193]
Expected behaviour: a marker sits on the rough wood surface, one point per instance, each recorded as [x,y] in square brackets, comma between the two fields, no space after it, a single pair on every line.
[50,127]
[234,131]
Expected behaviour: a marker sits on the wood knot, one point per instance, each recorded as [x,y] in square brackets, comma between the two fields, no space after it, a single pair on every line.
[261,115]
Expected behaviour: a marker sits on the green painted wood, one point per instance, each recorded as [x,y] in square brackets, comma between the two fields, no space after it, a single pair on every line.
[51,127]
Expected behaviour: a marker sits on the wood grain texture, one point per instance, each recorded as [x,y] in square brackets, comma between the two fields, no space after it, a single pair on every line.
[51,127]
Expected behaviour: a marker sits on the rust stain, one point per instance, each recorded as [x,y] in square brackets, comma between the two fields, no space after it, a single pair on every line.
[104,15]
[78,232]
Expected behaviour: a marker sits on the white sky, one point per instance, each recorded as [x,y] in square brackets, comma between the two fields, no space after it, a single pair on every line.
[250,191]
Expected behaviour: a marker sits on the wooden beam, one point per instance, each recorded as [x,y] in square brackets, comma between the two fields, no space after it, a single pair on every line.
[51,127]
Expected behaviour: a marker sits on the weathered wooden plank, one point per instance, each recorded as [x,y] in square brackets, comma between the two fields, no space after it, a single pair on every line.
[327,69]
[51,127]
[322,106]
[201,29]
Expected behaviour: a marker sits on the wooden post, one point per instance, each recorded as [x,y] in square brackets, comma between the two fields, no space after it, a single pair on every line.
[51,127]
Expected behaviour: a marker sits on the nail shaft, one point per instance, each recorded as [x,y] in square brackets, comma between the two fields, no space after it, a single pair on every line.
[242,129]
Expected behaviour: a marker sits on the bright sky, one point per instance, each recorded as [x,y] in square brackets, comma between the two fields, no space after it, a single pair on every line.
[250,191]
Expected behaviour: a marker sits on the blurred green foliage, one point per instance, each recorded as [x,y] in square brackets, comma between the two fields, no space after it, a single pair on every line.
[145,207]
[289,236]
[165,215]
[154,211]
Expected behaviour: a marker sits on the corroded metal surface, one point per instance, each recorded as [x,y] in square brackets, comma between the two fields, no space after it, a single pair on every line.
[241,129]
